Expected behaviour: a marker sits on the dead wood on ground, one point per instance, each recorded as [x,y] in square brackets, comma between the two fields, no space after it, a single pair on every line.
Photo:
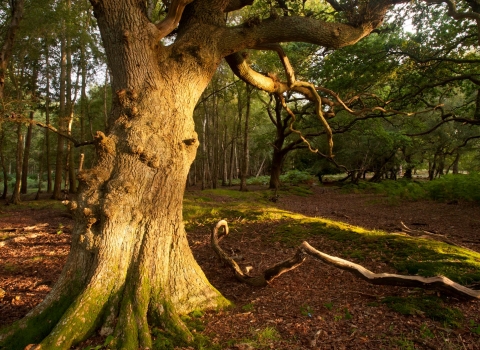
[440,283]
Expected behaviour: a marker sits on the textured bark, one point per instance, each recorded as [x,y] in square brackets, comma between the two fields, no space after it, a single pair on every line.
[276,170]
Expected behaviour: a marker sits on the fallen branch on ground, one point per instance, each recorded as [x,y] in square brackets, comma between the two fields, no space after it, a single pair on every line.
[440,283]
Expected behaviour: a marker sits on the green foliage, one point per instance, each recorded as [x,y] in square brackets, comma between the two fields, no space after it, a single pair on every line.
[296,177]
[425,331]
[446,188]
[348,315]
[451,187]
[427,305]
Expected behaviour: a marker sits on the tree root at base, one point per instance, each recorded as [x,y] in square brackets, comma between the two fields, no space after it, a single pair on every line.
[439,283]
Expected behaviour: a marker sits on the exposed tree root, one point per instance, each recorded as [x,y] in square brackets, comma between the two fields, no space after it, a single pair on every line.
[439,283]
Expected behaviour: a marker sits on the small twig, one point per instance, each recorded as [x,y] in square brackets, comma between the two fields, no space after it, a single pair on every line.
[53,129]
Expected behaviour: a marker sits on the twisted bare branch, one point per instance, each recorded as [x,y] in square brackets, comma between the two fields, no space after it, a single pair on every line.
[440,283]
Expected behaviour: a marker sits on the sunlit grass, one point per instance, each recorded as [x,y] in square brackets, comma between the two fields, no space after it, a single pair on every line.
[39,204]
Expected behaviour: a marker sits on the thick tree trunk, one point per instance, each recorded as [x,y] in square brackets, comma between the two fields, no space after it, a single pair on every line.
[130,265]
[277,166]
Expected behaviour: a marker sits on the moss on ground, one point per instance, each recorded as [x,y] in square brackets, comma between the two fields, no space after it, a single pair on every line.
[408,255]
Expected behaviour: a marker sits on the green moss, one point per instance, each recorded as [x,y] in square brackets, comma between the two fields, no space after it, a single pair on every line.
[36,328]
[181,331]
[408,255]
[429,306]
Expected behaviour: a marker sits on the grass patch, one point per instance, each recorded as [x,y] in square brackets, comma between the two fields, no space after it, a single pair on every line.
[428,305]
[36,205]
[266,336]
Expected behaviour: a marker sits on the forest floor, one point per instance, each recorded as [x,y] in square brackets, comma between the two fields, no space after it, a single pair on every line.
[312,307]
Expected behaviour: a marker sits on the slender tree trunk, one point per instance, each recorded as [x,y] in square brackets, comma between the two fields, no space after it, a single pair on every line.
[477,106]
[59,166]
[224,151]
[70,101]
[40,175]
[246,156]
[2,164]
[232,162]
[455,164]
[26,156]
[47,118]
[18,167]
[432,167]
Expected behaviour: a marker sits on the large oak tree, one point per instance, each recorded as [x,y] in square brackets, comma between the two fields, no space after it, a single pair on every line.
[130,265]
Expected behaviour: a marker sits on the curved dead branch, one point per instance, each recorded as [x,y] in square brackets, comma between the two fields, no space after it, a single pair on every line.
[258,281]
[440,283]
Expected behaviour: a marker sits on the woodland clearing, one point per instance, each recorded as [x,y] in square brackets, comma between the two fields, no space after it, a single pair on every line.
[314,306]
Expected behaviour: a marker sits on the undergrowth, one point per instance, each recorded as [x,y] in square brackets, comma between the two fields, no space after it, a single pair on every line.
[447,188]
